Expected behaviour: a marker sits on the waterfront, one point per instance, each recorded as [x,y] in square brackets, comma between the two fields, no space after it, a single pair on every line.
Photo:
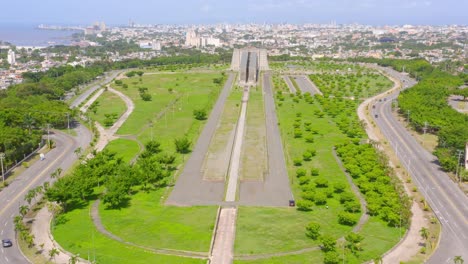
[30,35]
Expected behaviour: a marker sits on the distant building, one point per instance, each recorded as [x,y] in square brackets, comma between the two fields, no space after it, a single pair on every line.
[96,28]
[11,57]
[192,39]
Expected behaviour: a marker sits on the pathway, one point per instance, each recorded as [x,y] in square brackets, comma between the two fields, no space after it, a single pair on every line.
[292,89]
[236,150]
[223,246]
[364,217]
[40,229]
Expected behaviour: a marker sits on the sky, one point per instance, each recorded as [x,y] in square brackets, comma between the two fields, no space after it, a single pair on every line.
[118,12]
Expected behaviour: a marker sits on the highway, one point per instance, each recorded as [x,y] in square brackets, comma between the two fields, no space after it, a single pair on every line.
[107,78]
[449,203]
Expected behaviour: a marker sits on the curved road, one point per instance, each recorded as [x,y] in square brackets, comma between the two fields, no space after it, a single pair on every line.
[449,203]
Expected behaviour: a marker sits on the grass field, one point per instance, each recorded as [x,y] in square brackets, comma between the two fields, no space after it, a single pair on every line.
[149,223]
[310,257]
[109,104]
[125,148]
[217,158]
[271,230]
[79,236]
[187,91]
[254,152]
[257,233]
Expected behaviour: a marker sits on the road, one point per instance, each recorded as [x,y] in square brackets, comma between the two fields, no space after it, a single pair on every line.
[290,85]
[449,203]
[190,188]
[12,197]
[306,85]
[82,97]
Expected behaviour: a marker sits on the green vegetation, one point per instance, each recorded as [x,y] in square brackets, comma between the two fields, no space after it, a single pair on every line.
[107,108]
[126,148]
[76,233]
[427,102]
[149,223]
[217,159]
[254,152]
[310,257]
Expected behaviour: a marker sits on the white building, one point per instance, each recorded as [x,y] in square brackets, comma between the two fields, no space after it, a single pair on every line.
[11,57]
[192,39]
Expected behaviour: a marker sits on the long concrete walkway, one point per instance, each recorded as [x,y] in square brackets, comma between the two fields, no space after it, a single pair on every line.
[223,247]
[236,151]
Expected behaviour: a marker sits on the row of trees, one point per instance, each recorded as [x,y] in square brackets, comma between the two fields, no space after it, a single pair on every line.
[427,102]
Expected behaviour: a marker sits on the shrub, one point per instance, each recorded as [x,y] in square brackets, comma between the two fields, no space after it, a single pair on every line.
[314,172]
[346,197]
[320,198]
[339,187]
[301,172]
[345,218]
[309,139]
[304,180]
[307,156]
[352,206]
[313,230]
[304,205]
[118,82]
[297,162]
[145,96]
[297,133]
[200,114]
[321,183]
[308,195]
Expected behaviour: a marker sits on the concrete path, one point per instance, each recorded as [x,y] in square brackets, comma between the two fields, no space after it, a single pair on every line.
[275,189]
[223,247]
[40,229]
[306,85]
[190,188]
[292,89]
[233,173]
[85,107]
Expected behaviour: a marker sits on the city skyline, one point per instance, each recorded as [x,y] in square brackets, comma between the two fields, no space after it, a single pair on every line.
[371,12]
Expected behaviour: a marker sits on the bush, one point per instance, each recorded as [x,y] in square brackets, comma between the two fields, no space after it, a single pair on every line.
[304,205]
[331,257]
[118,82]
[301,172]
[339,187]
[308,195]
[182,145]
[200,114]
[352,206]
[320,198]
[309,139]
[297,162]
[145,96]
[346,197]
[313,230]
[304,180]
[345,218]
[297,133]
[314,172]
[321,183]
[307,156]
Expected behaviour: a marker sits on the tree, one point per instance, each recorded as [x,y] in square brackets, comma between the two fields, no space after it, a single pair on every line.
[354,242]
[53,252]
[458,260]
[313,230]
[182,145]
[346,218]
[331,257]
[200,114]
[145,96]
[73,259]
[424,232]
[23,210]
[328,243]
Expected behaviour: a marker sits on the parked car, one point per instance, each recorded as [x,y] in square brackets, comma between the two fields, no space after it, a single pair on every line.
[6,243]
[376,116]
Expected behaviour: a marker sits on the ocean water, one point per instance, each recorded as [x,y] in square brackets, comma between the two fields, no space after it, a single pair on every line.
[29,35]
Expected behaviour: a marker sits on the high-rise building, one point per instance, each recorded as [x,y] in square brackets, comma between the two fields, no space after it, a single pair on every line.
[192,39]
[11,57]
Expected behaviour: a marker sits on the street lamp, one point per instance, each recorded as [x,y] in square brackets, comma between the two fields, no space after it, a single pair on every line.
[2,156]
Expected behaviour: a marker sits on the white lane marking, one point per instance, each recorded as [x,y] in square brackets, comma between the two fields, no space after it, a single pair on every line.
[7,259]
[1,233]
[6,222]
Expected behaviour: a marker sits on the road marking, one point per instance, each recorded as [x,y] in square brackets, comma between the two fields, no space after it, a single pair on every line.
[6,222]
[36,179]
[430,178]
[1,233]
[7,259]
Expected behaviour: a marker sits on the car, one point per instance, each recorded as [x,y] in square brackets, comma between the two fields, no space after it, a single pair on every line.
[6,243]
[376,116]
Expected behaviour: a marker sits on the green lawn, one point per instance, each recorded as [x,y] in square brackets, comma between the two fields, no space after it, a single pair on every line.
[272,230]
[217,158]
[79,236]
[125,148]
[254,152]
[310,257]
[109,104]
[188,91]
[149,223]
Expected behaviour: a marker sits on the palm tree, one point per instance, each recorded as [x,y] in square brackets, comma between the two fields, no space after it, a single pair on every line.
[458,260]
[23,210]
[53,252]
[424,232]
